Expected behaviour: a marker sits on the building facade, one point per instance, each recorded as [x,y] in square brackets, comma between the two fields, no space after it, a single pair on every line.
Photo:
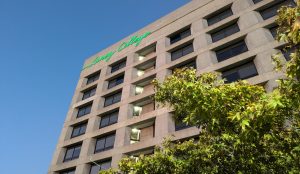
[112,113]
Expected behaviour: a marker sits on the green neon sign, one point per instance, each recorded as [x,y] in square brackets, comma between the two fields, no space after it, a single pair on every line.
[135,40]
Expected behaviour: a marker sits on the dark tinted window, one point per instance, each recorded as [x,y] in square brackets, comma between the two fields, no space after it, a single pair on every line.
[179,36]
[219,16]
[272,10]
[118,66]
[115,98]
[105,143]
[182,52]
[287,53]
[92,78]
[273,31]
[240,73]
[115,82]
[89,93]
[225,32]
[256,1]
[231,51]
[84,110]
[78,130]
[101,166]
[109,119]
[72,153]
[68,172]
[180,126]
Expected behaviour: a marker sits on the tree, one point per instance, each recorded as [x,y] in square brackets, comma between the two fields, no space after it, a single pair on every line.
[244,129]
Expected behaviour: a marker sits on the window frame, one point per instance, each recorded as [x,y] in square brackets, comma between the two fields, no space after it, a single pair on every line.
[115,82]
[73,151]
[85,108]
[81,131]
[229,50]
[181,51]
[109,116]
[89,93]
[105,147]
[116,98]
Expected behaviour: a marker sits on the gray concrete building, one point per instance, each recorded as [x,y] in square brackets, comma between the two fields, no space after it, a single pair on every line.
[112,114]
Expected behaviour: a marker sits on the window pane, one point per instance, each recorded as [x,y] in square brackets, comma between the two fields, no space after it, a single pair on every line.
[92,78]
[234,76]
[104,121]
[231,51]
[182,52]
[225,32]
[110,140]
[105,165]
[113,118]
[118,66]
[76,152]
[176,54]
[180,36]
[180,126]
[69,154]
[108,101]
[247,71]
[272,11]
[75,131]
[95,169]
[117,98]
[187,50]
[219,16]
[82,129]
[256,1]
[100,145]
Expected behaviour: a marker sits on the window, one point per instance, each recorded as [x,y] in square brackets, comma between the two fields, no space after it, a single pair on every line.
[186,65]
[273,31]
[72,153]
[95,169]
[115,82]
[68,172]
[78,130]
[84,110]
[225,32]
[231,51]
[182,52]
[181,125]
[135,135]
[272,11]
[287,53]
[112,99]
[109,119]
[89,93]
[219,16]
[240,73]
[256,1]
[118,66]
[105,143]
[93,78]
[180,36]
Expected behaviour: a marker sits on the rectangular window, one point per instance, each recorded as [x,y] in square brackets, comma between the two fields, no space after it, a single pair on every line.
[272,10]
[72,153]
[68,172]
[180,36]
[95,169]
[84,110]
[116,81]
[231,51]
[105,143]
[225,32]
[219,16]
[273,31]
[118,66]
[240,73]
[181,125]
[256,1]
[89,93]
[78,130]
[109,119]
[92,78]
[287,53]
[112,99]
[182,52]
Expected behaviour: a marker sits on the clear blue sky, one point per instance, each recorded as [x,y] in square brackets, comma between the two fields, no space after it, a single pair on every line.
[43,44]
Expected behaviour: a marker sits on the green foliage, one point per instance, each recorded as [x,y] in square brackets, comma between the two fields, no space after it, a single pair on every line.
[244,129]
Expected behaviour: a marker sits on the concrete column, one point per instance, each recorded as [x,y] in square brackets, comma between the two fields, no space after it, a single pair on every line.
[271,85]
[205,60]
[249,19]
[258,38]
[87,147]
[83,169]
[163,126]
[263,61]
[115,160]
[240,5]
